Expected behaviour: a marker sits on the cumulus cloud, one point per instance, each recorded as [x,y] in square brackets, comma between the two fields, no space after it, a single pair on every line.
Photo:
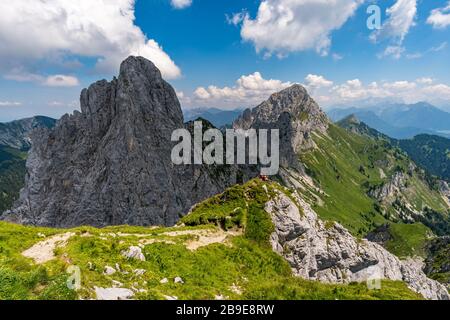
[424,80]
[10,104]
[248,91]
[33,31]
[58,80]
[440,18]
[400,85]
[180,4]
[283,26]
[441,91]
[353,90]
[316,81]
[400,19]
[422,89]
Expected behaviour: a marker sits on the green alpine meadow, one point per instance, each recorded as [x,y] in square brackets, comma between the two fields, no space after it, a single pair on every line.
[205,159]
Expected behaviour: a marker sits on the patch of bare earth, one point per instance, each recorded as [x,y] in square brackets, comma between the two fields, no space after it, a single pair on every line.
[43,251]
[204,238]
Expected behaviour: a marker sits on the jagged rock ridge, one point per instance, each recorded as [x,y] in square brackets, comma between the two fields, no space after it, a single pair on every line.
[110,164]
[329,253]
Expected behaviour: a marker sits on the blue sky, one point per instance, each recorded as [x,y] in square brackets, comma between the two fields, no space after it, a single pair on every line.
[225,53]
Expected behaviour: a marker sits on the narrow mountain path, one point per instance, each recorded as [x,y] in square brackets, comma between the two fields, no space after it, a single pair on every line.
[43,251]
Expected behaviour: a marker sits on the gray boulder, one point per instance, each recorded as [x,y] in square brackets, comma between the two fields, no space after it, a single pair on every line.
[113,293]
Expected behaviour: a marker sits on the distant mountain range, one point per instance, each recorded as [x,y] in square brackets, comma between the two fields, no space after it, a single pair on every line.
[15,134]
[431,152]
[12,175]
[111,165]
[14,144]
[400,121]
[217,117]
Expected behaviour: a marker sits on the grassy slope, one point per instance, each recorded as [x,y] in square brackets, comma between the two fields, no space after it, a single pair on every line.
[408,239]
[345,166]
[209,271]
[12,175]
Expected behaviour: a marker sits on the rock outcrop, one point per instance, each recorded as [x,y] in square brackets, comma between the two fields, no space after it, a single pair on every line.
[327,252]
[111,163]
[445,190]
[295,114]
[389,190]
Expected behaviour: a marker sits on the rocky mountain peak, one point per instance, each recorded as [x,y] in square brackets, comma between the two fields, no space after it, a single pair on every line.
[294,100]
[111,163]
[140,67]
[351,119]
[134,96]
[294,113]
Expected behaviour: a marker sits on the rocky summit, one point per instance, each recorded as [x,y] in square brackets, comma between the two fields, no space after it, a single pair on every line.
[294,113]
[110,163]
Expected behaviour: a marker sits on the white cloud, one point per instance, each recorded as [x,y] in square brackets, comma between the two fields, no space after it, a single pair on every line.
[400,19]
[252,89]
[425,80]
[438,48]
[399,85]
[236,18]
[33,31]
[440,18]
[20,75]
[315,81]
[422,89]
[180,94]
[337,57]
[354,90]
[60,80]
[10,104]
[283,26]
[180,4]
[202,93]
[248,91]
[72,105]
[56,104]
[416,55]
[441,91]
[392,51]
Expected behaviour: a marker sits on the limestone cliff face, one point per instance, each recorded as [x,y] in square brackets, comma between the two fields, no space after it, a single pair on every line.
[110,164]
[294,113]
[327,252]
